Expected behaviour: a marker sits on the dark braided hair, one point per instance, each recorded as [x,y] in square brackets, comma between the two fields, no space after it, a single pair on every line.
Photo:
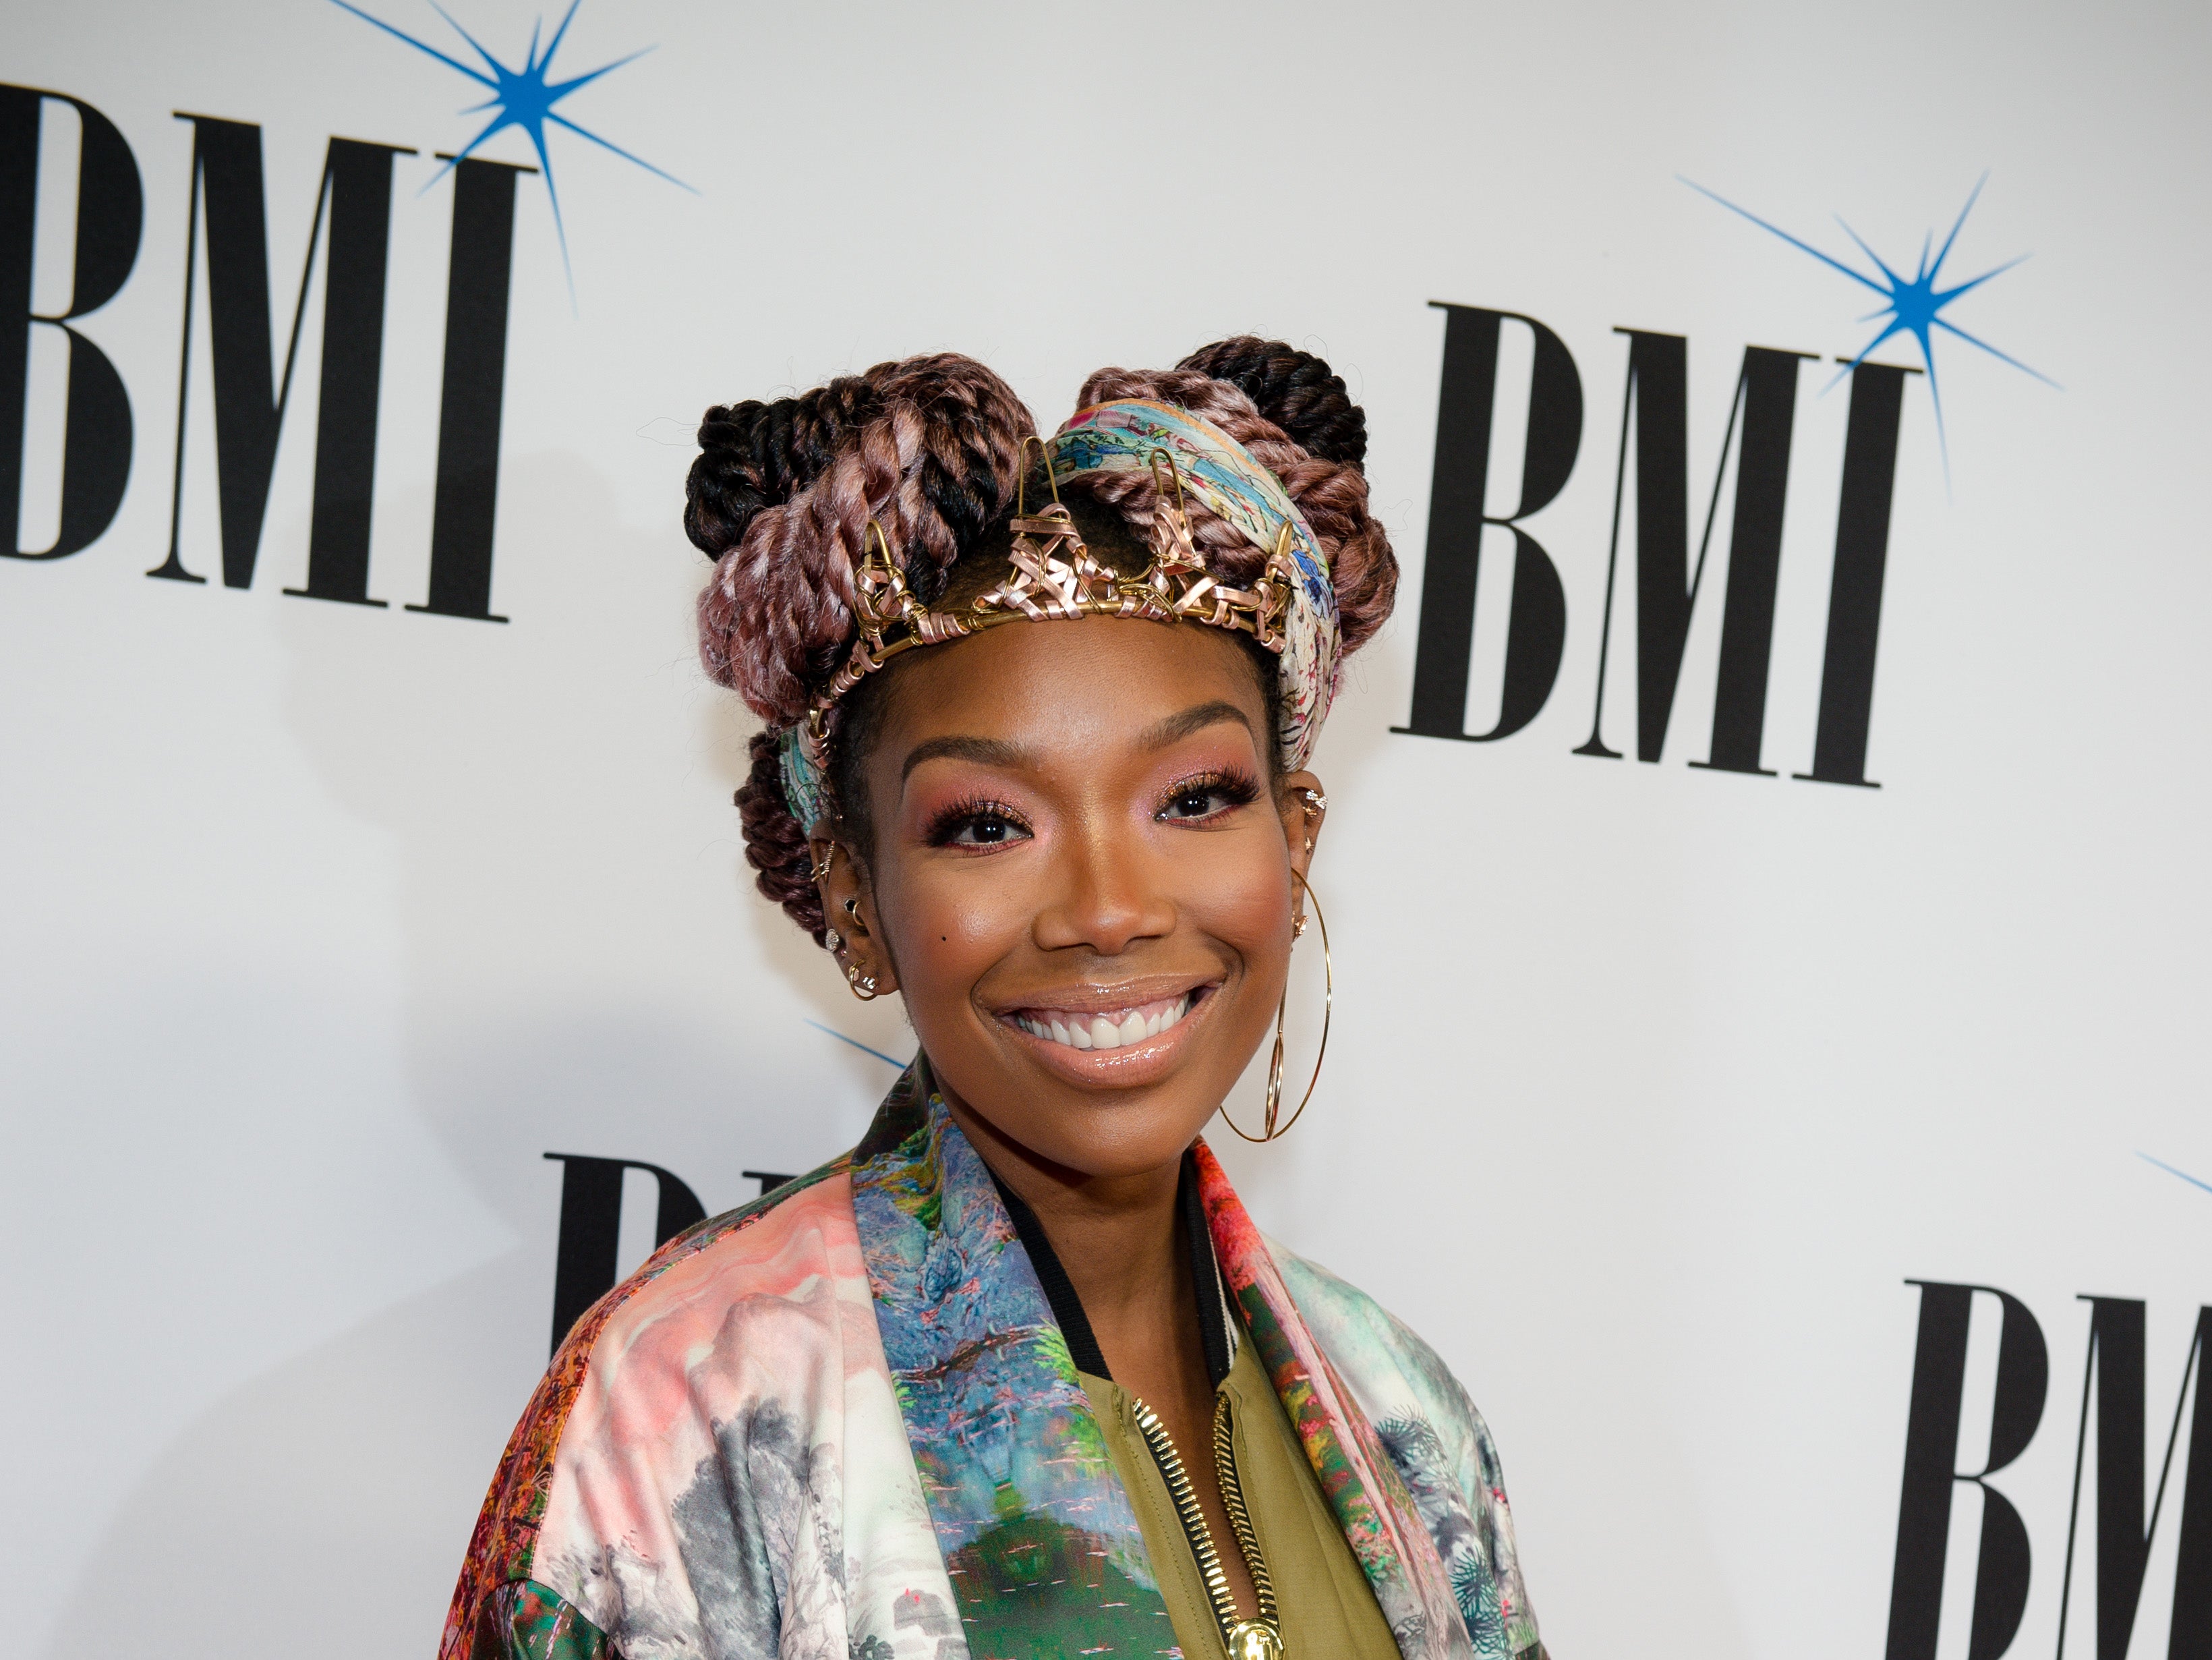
[1292,411]
[1295,390]
[930,447]
[754,455]
[780,497]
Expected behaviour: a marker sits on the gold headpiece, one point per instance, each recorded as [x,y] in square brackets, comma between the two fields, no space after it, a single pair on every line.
[1056,577]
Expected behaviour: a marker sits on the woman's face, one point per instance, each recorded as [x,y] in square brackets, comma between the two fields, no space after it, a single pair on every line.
[1081,880]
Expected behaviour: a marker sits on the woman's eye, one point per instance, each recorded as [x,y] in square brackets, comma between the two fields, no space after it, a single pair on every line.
[985,829]
[1197,803]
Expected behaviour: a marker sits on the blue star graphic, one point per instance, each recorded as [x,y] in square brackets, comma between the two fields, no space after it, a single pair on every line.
[1914,305]
[524,98]
[832,1031]
[2193,1181]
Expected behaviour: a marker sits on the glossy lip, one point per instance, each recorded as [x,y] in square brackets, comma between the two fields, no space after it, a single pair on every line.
[1132,1064]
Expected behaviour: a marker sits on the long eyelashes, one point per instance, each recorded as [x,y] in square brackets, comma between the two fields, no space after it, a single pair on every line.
[976,822]
[1206,797]
[1203,797]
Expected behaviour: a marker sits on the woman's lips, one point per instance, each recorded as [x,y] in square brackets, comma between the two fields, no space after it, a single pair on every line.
[1113,1029]
[1126,1045]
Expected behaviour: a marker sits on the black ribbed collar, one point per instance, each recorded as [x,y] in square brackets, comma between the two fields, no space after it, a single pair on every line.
[1068,1307]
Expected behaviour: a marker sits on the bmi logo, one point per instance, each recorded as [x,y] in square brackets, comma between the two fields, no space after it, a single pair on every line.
[1653,453]
[227,291]
[2101,1584]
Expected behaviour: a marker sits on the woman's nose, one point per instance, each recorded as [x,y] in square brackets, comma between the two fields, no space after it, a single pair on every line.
[1107,895]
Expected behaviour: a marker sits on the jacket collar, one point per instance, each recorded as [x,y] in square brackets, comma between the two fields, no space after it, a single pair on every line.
[1040,1541]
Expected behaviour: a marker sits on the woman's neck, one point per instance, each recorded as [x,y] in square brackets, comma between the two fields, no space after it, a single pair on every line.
[1118,1241]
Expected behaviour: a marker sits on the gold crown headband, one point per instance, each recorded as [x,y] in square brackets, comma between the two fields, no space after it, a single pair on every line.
[1054,576]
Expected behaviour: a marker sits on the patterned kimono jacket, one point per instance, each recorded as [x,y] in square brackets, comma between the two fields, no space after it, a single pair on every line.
[840,1424]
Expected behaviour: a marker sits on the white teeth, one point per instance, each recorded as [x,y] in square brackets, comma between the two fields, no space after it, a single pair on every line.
[1105,1031]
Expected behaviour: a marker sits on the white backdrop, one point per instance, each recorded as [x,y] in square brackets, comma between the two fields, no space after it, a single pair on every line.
[1651,1087]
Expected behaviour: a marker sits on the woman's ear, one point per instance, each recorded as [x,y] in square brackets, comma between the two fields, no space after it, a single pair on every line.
[848,904]
[1304,806]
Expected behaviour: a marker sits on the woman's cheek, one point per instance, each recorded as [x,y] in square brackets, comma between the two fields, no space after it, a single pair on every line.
[959,921]
[1247,904]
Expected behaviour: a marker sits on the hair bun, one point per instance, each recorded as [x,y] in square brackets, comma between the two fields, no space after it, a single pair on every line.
[755,455]
[1291,412]
[782,497]
[1295,389]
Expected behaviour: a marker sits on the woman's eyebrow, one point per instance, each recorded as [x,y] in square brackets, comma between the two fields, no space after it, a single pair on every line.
[1175,728]
[986,752]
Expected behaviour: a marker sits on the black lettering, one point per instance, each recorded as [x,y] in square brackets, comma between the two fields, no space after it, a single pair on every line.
[587,1257]
[1932,1474]
[96,428]
[1766,397]
[474,388]
[1536,625]
[1655,403]
[228,210]
[1839,742]
[2115,1365]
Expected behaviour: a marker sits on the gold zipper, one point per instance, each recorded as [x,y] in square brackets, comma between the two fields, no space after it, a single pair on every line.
[1245,1640]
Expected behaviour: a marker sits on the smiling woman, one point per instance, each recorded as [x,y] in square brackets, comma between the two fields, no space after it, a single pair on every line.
[1017,1376]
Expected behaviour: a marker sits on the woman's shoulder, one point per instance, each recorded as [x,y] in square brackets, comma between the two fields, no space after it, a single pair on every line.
[1436,1440]
[1385,1361]
[742,1309]
[790,1246]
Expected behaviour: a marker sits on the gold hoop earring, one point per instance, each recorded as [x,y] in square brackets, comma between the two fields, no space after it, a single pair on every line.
[863,985]
[1270,1130]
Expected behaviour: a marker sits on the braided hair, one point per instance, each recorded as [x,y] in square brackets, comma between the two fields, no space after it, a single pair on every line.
[930,447]
[1292,412]
[781,497]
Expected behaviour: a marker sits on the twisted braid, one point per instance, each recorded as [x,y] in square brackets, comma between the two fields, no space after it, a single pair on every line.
[1330,487]
[775,843]
[754,455]
[1295,389]
[935,466]
[928,446]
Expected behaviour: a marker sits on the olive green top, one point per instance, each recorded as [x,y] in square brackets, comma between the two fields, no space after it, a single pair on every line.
[1327,1609]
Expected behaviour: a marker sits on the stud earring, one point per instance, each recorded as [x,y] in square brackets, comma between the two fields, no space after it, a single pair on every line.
[1315,805]
[833,940]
